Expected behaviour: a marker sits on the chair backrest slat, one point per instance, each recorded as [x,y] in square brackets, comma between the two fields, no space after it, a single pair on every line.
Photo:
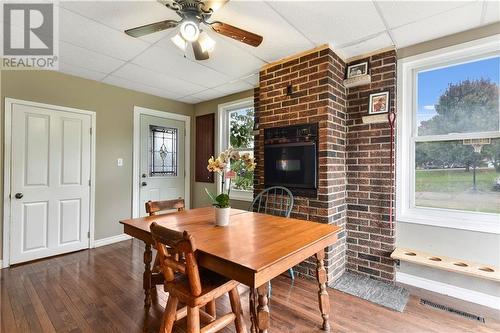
[281,205]
[281,201]
[156,207]
[266,202]
[181,245]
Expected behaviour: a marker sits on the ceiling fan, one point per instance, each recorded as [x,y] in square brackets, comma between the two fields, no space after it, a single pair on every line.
[195,14]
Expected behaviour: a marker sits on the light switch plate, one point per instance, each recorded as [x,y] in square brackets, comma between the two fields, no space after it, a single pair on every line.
[119,162]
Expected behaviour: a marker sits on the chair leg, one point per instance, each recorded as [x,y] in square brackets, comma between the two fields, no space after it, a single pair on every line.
[156,265]
[239,322]
[193,320]
[292,274]
[169,315]
[269,289]
[211,309]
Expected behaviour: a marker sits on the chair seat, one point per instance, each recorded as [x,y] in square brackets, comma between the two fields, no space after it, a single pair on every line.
[213,286]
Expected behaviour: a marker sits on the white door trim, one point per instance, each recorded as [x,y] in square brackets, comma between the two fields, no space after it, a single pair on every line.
[138,111]
[9,102]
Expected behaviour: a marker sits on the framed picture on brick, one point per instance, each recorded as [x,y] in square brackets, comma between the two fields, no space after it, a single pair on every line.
[356,70]
[379,103]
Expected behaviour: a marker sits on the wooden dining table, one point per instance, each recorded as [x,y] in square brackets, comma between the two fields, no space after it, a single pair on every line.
[252,250]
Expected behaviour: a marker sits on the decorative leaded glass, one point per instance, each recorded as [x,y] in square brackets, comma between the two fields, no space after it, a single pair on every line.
[163,151]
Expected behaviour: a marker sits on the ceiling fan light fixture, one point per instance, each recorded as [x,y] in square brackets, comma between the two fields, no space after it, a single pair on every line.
[207,44]
[179,42]
[189,31]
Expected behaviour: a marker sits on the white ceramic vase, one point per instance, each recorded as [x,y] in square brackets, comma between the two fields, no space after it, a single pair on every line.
[222,216]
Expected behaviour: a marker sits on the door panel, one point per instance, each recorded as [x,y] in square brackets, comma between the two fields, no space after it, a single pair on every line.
[35,225]
[51,165]
[69,221]
[153,184]
[71,151]
[153,194]
[37,149]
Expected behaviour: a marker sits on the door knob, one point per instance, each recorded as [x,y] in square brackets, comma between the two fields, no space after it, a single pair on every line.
[19,195]
[144,184]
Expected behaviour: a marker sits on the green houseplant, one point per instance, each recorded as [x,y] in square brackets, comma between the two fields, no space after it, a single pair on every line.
[224,165]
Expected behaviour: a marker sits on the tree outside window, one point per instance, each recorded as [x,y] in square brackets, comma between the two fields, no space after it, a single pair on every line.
[460,101]
[241,123]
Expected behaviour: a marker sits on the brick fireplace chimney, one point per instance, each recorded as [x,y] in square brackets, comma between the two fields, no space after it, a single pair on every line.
[301,90]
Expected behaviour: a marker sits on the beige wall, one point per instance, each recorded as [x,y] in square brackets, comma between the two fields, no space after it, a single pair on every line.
[199,197]
[458,38]
[114,114]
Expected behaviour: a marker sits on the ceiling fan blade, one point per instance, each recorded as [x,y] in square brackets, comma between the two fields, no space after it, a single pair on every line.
[150,28]
[213,4]
[198,52]
[165,2]
[233,32]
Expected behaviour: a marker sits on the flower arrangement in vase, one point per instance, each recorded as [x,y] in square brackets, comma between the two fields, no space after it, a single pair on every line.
[222,166]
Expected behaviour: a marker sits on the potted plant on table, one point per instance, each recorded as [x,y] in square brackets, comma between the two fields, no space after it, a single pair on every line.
[222,165]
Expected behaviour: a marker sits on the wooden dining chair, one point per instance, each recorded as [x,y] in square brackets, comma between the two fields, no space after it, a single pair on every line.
[191,286]
[278,201]
[164,206]
[157,207]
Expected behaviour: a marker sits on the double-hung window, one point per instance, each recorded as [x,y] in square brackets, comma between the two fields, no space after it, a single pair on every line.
[449,137]
[235,124]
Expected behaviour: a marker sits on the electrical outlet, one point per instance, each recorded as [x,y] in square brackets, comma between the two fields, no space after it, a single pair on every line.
[119,162]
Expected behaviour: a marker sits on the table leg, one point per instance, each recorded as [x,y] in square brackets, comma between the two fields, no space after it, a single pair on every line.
[263,308]
[146,277]
[324,302]
[252,309]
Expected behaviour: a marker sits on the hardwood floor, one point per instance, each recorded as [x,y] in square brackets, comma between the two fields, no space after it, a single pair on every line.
[100,290]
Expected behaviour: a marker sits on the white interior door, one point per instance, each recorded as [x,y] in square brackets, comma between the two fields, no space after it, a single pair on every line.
[50,182]
[162,160]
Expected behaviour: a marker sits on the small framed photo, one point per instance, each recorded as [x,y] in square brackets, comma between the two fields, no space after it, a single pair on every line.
[358,69]
[379,103]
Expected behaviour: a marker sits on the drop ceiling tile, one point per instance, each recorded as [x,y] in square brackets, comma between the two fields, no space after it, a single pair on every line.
[75,55]
[169,62]
[492,12]
[124,83]
[380,41]
[234,87]
[231,59]
[280,39]
[334,22]
[208,94]
[91,35]
[456,20]
[81,72]
[228,58]
[398,13]
[158,80]
[252,79]
[122,15]
[190,100]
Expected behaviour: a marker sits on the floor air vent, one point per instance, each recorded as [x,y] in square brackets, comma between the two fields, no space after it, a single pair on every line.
[452,310]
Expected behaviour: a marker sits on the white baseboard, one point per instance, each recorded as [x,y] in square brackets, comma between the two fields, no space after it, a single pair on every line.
[111,240]
[450,290]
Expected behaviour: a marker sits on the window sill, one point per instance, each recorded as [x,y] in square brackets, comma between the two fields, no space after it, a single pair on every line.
[479,222]
[241,195]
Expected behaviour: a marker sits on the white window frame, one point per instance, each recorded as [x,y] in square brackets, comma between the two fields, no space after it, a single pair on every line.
[406,211]
[222,142]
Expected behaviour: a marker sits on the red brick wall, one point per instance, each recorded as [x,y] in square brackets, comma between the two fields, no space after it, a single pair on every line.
[369,239]
[318,97]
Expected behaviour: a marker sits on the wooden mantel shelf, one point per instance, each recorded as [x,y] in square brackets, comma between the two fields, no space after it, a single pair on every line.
[446,263]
